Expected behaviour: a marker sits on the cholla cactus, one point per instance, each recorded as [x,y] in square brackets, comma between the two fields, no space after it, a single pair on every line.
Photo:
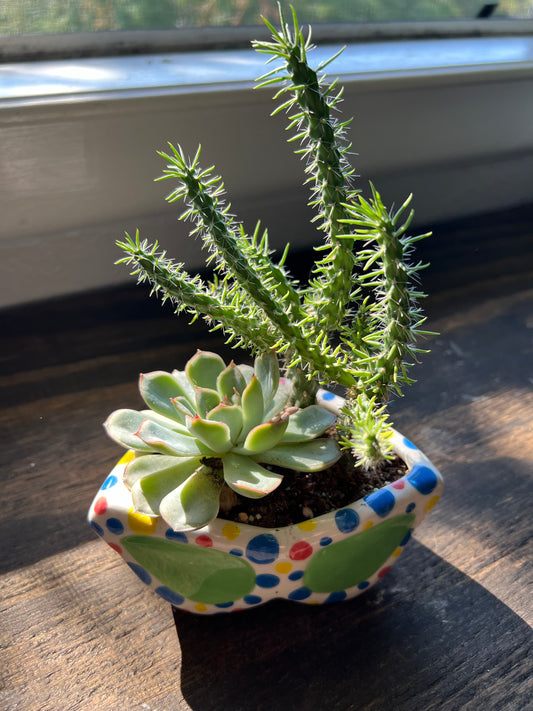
[356,322]
[211,424]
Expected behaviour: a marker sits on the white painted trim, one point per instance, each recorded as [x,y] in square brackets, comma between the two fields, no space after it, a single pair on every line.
[77,162]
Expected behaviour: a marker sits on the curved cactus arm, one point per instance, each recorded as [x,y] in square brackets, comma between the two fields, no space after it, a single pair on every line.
[312,105]
[248,478]
[148,464]
[194,503]
[149,490]
[304,456]
[307,424]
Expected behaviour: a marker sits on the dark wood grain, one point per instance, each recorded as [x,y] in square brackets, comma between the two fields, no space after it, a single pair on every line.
[448,629]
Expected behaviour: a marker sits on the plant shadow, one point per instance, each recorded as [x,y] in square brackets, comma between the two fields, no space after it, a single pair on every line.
[417,641]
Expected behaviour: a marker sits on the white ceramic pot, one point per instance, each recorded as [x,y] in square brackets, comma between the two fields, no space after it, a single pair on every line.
[228,566]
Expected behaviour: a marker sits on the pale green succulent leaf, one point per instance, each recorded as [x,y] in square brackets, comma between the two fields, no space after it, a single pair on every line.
[215,435]
[149,464]
[165,441]
[303,456]
[123,425]
[248,478]
[183,407]
[247,372]
[267,370]
[194,503]
[252,406]
[204,368]
[307,424]
[230,415]
[230,380]
[183,381]
[149,490]
[166,421]
[206,400]
[157,389]
[279,401]
[264,436]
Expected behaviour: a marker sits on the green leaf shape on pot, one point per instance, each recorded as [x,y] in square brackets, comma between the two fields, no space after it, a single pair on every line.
[355,559]
[201,574]
[213,423]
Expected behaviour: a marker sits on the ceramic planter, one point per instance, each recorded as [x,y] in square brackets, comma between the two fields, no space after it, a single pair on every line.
[228,566]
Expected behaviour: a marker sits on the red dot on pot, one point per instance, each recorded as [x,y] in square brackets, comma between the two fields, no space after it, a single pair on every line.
[300,551]
[384,571]
[100,506]
[116,548]
[204,541]
[400,484]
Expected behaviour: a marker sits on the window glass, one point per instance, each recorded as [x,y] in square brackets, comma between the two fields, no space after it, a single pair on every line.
[19,17]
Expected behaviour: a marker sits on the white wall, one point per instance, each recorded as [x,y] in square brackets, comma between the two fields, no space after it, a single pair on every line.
[77,169]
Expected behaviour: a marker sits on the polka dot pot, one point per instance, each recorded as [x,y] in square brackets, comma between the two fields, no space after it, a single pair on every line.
[227,566]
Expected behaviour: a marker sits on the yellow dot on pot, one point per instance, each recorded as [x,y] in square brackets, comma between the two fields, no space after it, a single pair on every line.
[307,525]
[200,607]
[284,567]
[127,457]
[368,525]
[431,503]
[397,552]
[231,531]
[140,523]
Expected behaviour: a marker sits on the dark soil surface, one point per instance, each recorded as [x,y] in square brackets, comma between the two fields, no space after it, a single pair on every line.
[302,496]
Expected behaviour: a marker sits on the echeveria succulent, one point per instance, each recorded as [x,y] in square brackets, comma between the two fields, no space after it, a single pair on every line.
[213,423]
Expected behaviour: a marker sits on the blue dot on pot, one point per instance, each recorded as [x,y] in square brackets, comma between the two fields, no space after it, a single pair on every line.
[170,596]
[423,479]
[263,549]
[109,482]
[405,540]
[297,575]
[236,551]
[114,525]
[175,536]
[252,599]
[409,444]
[224,604]
[141,573]
[411,507]
[336,596]
[328,396]
[363,585]
[300,594]
[346,520]
[381,501]
[267,581]
[325,541]
[97,528]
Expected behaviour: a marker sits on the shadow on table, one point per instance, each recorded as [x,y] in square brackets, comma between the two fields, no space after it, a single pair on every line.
[432,638]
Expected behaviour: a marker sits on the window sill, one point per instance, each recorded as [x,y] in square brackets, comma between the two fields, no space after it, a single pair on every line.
[27,83]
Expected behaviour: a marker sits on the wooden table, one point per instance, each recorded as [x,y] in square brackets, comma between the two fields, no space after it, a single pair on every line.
[449,628]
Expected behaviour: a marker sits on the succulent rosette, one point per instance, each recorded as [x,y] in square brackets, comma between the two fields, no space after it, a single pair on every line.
[212,424]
